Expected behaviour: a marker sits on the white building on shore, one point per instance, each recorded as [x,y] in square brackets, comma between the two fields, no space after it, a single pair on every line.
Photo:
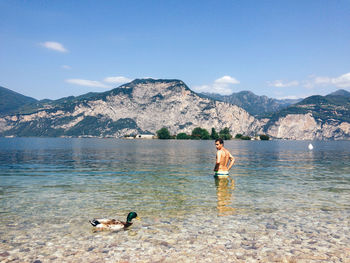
[145,136]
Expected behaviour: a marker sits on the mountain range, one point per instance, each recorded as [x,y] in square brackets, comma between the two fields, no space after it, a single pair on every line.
[256,105]
[146,105]
[11,101]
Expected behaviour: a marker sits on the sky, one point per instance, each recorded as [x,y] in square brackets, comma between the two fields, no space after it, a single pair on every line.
[51,49]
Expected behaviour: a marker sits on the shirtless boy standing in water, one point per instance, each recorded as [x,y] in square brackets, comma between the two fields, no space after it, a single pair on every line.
[224,159]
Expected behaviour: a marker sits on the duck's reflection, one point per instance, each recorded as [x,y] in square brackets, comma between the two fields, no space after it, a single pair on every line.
[224,189]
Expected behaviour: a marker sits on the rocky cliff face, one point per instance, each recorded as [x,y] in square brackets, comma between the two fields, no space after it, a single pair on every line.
[316,117]
[140,106]
[306,127]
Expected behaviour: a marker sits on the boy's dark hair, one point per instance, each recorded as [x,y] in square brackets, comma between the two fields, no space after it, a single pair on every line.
[221,141]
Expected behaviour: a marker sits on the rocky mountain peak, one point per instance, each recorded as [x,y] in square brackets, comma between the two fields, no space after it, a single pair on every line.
[149,88]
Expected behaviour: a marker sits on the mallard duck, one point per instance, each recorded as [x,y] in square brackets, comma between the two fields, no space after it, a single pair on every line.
[113,224]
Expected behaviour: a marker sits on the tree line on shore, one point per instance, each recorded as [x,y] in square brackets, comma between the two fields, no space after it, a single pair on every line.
[202,134]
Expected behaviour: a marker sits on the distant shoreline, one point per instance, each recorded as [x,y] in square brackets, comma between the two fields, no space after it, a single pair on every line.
[139,139]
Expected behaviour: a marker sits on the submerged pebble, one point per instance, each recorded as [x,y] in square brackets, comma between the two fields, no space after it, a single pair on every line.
[228,243]
[4,254]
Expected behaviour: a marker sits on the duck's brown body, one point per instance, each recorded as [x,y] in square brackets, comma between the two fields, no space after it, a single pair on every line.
[113,224]
[109,224]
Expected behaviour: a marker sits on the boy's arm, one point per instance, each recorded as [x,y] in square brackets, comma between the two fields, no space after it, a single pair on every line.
[232,162]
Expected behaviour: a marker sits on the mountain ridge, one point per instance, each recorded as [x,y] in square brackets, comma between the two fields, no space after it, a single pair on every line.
[143,105]
[340,92]
[146,105]
[11,101]
[256,105]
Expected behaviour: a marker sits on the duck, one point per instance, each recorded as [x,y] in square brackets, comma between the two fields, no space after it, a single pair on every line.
[113,224]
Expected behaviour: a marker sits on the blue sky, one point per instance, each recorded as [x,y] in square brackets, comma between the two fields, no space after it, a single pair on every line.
[282,49]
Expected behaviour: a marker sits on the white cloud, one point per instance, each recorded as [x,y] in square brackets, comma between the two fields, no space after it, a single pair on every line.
[203,88]
[283,84]
[221,85]
[87,83]
[117,80]
[66,67]
[313,81]
[226,80]
[321,80]
[342,81]
[291,97]
[54,46]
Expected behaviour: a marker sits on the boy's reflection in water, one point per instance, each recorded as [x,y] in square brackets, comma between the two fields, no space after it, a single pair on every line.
[224,189]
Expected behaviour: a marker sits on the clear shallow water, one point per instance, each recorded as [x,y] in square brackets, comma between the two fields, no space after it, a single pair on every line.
[282,202]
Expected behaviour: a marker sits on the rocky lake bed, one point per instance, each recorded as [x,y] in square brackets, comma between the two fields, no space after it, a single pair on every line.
[307,236]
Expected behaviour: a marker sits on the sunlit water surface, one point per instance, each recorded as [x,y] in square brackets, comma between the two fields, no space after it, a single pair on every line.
[282,201]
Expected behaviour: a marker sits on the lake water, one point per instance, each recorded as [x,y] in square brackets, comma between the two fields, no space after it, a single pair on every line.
[282,202]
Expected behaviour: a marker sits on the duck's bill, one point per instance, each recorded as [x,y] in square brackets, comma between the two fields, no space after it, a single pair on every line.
[138,218]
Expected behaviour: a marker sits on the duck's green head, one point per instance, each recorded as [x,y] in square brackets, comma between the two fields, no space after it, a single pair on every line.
[131,216]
